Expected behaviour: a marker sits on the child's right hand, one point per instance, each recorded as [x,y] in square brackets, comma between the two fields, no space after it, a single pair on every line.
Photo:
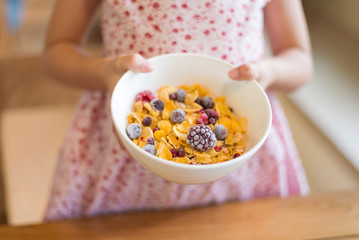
[116,67]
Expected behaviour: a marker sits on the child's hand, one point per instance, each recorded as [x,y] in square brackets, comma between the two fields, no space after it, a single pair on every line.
[250,71]
[116,67]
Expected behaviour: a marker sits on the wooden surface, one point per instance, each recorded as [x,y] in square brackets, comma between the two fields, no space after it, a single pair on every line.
[29,164]
[333,216]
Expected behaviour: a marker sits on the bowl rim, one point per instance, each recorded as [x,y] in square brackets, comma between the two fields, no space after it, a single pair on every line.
[249,153]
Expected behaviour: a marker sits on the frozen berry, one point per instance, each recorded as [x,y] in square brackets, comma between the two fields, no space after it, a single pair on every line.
[155,129]
[204,116]
[172,96]
[174,152]
[201,138]
[150,149]
[177,116]
[220,131]
[198,100]
[151,140]
[147,121]
[134,130]
[199,121]
[181,153]
[145,96]
[207,102]
[212,120]
[211,113]
[180,95]
[236,155]
[157,105]
[217,149]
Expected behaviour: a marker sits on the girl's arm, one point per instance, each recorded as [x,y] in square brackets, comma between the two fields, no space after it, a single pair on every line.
[291,64]
[65,58]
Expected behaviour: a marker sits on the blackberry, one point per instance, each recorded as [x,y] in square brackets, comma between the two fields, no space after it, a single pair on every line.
[147,121]
[220,131]
[201,138]
[157,105]
[177,116]
[133,130]
[180,95]
[207,102]
[150,149]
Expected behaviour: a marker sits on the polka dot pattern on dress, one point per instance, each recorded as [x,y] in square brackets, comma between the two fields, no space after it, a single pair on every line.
[95,176]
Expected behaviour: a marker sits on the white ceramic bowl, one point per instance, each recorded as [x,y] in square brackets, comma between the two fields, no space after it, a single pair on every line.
[246,98]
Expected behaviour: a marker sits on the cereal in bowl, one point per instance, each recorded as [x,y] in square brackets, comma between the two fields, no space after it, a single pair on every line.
[186,125]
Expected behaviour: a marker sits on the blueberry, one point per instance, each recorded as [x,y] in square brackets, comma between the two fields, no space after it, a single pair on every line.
[220,131]
[157,104]
[181,153]
[172,96]
[150,140]
[207,102]
[134,130]
[147,121]
[180,95]
[198,100]
[177,116]
[150,149]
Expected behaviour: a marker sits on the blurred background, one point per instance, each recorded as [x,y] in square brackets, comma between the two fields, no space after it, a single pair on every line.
[35,111]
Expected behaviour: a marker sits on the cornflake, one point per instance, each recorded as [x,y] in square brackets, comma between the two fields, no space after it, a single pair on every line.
[171,137]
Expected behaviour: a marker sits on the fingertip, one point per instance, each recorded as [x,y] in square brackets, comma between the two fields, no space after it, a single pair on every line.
[233,73]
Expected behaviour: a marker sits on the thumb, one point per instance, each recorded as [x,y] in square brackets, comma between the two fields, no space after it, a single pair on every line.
[134,62]
[247,71]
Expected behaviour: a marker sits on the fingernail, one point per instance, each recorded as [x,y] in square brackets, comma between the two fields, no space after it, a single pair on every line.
[233,73]
[147,67]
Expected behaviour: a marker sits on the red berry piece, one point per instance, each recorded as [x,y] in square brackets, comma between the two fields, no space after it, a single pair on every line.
[199,121]
[155,129]
[174,152]
[236,155]
[145,96]
[204,116]
[217,149]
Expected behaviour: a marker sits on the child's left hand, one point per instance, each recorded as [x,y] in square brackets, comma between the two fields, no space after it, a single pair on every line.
[250,71]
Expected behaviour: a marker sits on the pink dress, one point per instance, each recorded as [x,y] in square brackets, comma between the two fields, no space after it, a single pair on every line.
[95,176]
